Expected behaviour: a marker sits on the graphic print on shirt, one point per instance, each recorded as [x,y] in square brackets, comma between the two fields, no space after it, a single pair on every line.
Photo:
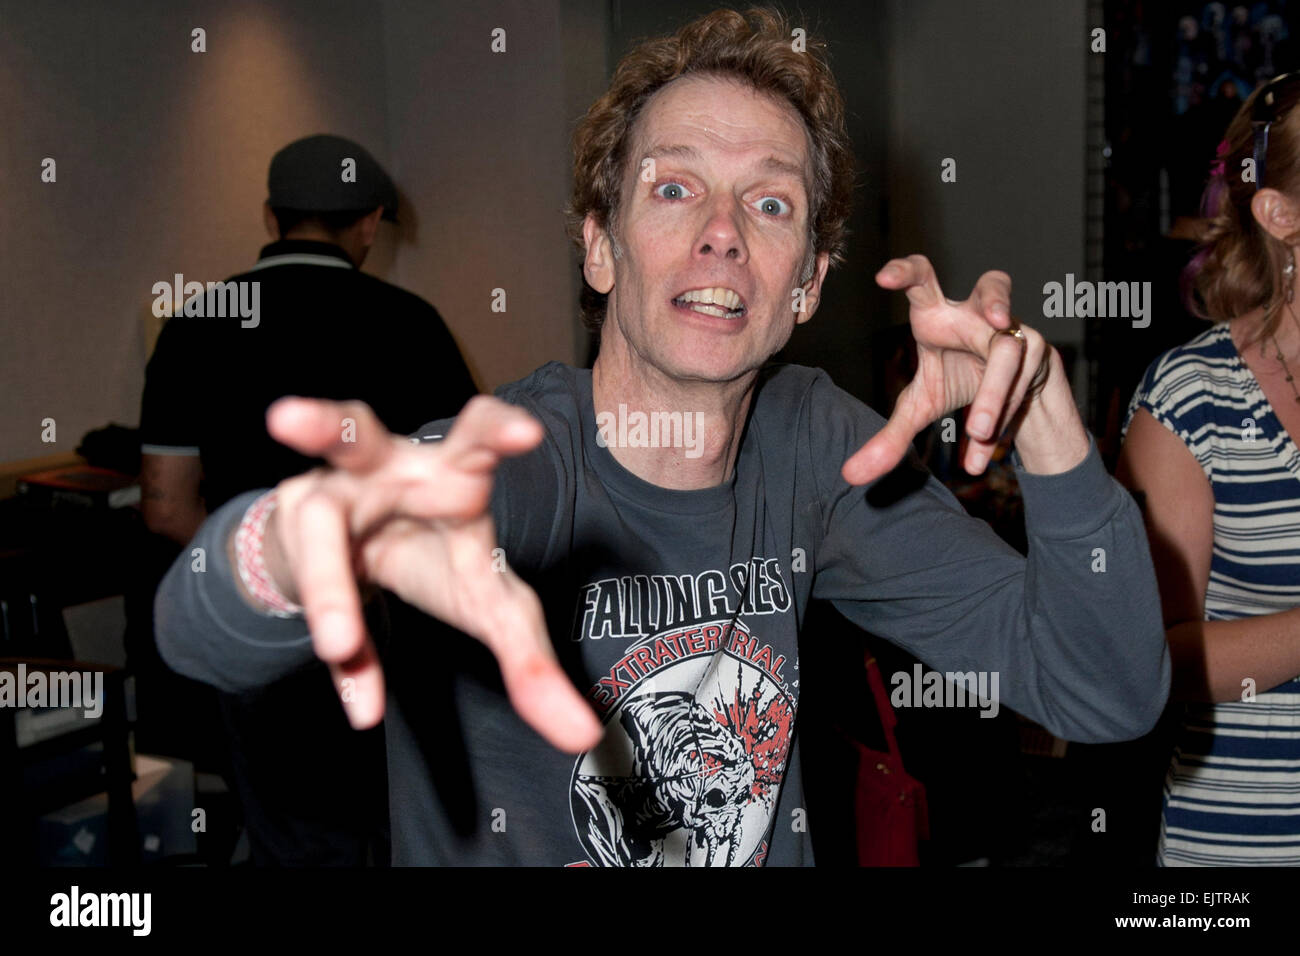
[698,731]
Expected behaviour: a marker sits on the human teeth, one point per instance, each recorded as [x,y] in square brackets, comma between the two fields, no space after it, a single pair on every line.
[725,298]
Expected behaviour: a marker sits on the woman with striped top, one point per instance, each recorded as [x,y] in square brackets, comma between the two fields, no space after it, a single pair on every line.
[1209,452]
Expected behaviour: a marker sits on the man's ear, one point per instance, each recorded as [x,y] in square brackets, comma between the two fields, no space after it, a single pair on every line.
[268,220]
[370,225]
[598,263]
[812,289]
[1276,212]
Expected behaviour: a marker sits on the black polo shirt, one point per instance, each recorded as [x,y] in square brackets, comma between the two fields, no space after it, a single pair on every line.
[322,329]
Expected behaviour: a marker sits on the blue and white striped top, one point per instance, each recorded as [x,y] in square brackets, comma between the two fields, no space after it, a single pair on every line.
[1232,794]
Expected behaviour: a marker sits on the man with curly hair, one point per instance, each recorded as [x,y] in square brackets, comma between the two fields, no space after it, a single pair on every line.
[634,547]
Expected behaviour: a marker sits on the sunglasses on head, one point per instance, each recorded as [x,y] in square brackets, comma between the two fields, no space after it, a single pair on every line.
[1264,114]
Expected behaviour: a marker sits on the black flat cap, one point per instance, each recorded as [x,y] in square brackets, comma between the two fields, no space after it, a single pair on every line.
[308,175]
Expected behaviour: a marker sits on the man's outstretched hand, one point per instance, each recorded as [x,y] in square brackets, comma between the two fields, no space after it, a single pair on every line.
[414,519]
[960,361]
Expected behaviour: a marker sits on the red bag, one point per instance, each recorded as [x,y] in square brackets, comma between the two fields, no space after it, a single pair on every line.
[892,815]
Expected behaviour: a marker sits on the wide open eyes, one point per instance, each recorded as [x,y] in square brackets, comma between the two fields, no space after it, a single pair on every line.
[773,206]
[768,205]
[672,191]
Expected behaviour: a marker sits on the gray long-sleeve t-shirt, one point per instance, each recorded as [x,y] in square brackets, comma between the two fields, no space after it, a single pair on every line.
[678,615]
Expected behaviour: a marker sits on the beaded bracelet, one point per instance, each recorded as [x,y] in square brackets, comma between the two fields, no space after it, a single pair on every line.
[252,564]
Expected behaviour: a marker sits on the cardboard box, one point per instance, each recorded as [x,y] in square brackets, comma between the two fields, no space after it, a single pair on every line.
[163,792]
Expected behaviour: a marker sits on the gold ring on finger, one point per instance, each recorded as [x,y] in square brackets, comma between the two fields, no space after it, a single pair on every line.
[1015,333]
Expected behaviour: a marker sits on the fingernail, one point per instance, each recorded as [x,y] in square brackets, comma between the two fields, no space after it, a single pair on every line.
[981,425]
[978,461]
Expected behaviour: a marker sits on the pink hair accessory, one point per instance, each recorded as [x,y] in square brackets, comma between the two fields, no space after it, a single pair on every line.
[1216,167]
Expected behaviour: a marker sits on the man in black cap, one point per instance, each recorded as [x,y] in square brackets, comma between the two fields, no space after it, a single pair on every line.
[310,324]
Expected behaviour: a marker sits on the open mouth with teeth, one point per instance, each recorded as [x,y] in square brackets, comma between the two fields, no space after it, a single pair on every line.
[721,303]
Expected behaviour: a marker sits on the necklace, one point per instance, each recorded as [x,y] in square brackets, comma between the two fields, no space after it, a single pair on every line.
[1290,379]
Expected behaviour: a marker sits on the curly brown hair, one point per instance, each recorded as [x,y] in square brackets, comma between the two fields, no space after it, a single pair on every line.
[1239,266]
[757,47]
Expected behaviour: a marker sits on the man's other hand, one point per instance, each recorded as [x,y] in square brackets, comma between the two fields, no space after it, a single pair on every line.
[414,519]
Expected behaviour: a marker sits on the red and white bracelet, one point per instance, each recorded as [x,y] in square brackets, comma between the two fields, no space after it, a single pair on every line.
[252,564]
